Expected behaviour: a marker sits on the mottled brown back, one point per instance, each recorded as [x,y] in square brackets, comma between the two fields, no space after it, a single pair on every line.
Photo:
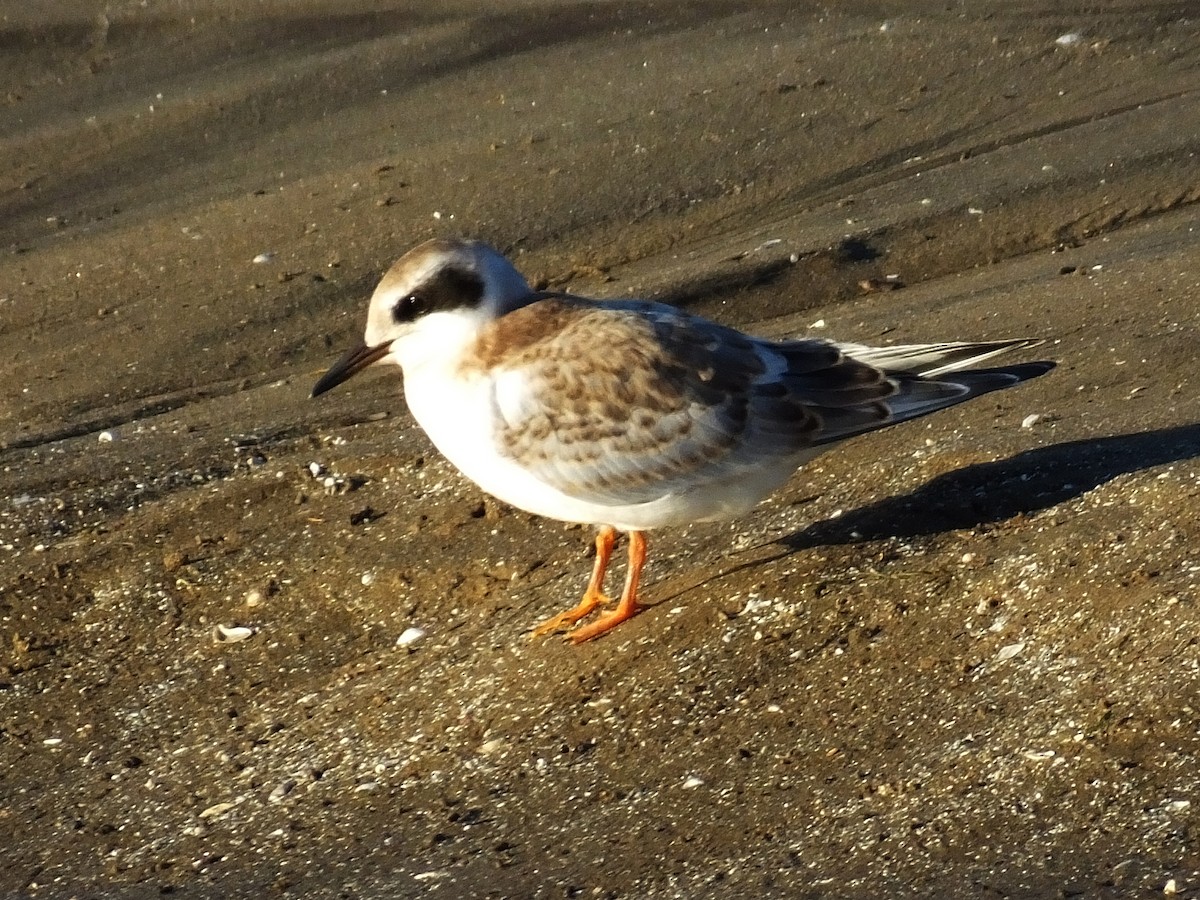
[626,402]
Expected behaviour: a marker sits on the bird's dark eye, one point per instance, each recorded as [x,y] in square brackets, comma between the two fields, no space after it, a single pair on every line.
[409,308]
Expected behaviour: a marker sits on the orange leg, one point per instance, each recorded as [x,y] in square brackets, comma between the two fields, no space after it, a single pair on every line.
[594,596]
[628,606]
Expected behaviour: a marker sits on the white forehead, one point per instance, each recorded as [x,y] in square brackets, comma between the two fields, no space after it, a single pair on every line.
[430,269]
[413,268]
[424,261]
[503,284]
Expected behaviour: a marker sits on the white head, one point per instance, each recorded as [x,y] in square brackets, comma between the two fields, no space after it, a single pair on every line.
[438,294]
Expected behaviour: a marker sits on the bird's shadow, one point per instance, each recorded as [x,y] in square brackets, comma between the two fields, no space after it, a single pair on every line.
[981,494]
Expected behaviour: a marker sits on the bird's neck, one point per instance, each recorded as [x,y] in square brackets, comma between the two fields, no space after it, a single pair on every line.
[438,340]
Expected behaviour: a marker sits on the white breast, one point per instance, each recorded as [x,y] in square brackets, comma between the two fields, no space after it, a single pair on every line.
[460,416]
[461,411]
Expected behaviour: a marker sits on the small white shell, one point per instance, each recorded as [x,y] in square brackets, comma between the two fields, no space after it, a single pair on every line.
[1030,420]
[1010,651]
[231,634]
[264,257]
[410,636]
[106,437]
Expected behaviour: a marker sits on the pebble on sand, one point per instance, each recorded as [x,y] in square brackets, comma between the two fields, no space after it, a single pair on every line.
[281,791]
[217,809]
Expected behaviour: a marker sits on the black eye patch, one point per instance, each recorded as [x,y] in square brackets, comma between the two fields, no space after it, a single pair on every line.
[448,288]
[409,308]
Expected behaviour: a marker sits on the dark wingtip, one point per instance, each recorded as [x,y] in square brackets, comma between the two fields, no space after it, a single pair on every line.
[1025,371]
[1016,373]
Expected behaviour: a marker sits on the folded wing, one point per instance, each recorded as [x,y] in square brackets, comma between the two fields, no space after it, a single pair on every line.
[624,403]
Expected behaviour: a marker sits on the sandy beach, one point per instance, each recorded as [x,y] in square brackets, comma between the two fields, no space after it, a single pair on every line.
[959,658]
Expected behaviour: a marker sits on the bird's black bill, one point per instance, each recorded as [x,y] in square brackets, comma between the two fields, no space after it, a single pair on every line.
[354,361]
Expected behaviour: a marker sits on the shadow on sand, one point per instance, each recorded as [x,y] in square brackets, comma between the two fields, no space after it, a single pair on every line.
[992,492]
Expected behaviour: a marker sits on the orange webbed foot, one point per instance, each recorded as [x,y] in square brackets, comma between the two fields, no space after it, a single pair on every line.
[594,596]
[605,623]
[566,619]
[626,609]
